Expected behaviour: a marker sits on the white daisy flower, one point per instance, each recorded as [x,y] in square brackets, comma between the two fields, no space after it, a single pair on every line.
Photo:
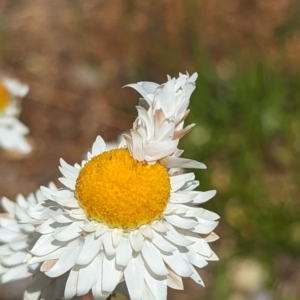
[12,131]
[122,219]
[159,125]
[15,240]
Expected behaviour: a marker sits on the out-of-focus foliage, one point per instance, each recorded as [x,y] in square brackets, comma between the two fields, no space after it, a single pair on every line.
[248,135]
[76,55]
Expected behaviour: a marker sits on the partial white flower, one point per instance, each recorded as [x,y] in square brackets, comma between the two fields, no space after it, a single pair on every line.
[12,131]
[121,219]
[15,240]
[159,125]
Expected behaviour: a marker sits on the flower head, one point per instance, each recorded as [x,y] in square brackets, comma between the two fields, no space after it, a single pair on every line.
[161,115]
[124,214]
[12,131]
[15,239]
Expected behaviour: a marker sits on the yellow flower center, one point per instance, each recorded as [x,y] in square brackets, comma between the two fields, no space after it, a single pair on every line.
[4,97]
[115,189]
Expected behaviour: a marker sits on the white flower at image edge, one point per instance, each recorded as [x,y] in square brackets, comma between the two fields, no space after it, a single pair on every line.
[12,131]
[121,219]
[15,240]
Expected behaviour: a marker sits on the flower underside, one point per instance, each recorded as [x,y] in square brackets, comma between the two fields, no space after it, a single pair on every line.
[4,97]
[115,189]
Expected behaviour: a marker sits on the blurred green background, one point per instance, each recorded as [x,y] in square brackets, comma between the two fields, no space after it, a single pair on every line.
[76,56]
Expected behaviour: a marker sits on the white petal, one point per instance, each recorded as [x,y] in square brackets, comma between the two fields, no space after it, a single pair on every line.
[54,255]
[146,231]
[45,227]
[209,215]
[21,215]
[183,198]
[148,86]
[213,257]
[177,209]
[108,245]
[8,206]
[205,228]
[101,230]
[7,236]
[69,232]
[202,247]
[98,146]
[124,252]
[204,196]
[196,277]
[62,218]
[178,264]
[178,162]
[139,88]
[194,258]
[161,243]
[137,145]
[165,94]
[136,240]
[32,200]
[5,250]
[89,227]
[147,295]
[90,249]
[67,174]
[98,294]
[62,193]
[194,77]
[112,276]
[144,118]
[159,150]
[67,259]
[68,168]
[153,258]
[41,215]
[78,214]
[15,87]
[70,289]
[211,237]
[69,183]
[88,275]
[159,226]
[20,245]
[174,281]
[44,245]
[157,287]
[134,276]
[165,132]
[70,204]
[89,155]
[181,222]
[14,259]
[178,181]
[178,239]
[116,237]
[15,273]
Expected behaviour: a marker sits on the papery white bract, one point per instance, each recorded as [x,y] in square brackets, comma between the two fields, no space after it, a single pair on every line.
[161,115]
[12,131]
